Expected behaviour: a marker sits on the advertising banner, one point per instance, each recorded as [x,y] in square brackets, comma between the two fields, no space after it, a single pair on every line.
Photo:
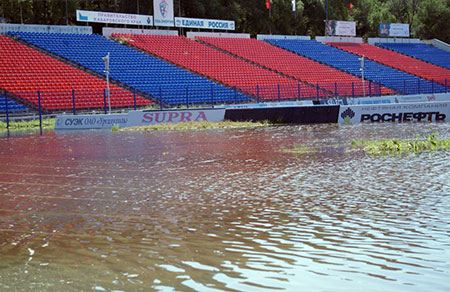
[163,11]
[137,118]
[394,30]
[146,118]
[204,23]
[395,113]
[116,18]
[84,122]
[340,28]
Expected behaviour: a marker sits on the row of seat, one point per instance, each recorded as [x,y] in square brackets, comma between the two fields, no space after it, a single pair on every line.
[220,66]
[153,76]
[397,80]
[296,66]
[398,61]
[421,51]
[25,79]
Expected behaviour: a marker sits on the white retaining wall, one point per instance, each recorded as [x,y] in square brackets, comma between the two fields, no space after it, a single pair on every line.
[338,39]
[282,37]
[193,34]
[6,27]
[107,31]
[373,41]
[441,45]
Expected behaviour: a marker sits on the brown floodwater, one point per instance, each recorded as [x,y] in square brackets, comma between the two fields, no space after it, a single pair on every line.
[223,210]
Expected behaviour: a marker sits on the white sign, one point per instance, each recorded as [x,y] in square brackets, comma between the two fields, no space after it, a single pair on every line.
[395,113]
[146,118]
[163,11]
[389,99]
[83,122]
[394,29]
[342,28]
[137,118]
[204,23]
[116,18]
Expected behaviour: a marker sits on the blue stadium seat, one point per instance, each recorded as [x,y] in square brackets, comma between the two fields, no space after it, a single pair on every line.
[395,79]
[13,106]
[160,79]
[424,52]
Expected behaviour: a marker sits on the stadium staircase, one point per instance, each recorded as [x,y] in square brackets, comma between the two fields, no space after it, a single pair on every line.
[149,75]
[26,71]
[424,52]
[398,61]
[295,66]
[397,80]
[222,67]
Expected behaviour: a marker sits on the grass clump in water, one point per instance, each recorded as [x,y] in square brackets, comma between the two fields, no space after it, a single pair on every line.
[298,150]
[395,146]
[47,124]
[187,126]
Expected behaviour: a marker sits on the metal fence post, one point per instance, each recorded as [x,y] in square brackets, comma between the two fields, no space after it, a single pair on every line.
[432,86]
[257,93]
[187,96]
[212,95]
[298,90]
[40,111]
[134,100]
[335,89]
[160,98]
[418,85]
[279,92]
[446,88]
[235,95]
[317,90]
[353,89]
[370,87]
[104,102]
[7,111]
[404,86]
[74,108]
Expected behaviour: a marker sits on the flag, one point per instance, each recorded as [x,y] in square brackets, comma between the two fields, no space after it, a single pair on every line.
[268,4]
[294,5]
[106,61]
[350,6]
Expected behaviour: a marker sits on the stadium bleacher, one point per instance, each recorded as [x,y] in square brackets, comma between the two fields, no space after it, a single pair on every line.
[25,71]
[288,63]
[400,81]
[398,61]
[223,67]
[424,52]
[13,105]
[160,79]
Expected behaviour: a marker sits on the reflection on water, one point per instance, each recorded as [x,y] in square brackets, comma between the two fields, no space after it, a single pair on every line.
[223,210]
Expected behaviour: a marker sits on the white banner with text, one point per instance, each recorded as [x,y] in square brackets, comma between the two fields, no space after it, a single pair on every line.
[115,18]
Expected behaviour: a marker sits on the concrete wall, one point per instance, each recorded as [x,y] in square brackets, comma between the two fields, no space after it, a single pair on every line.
[282,37]
[338,39]
[441,45]
[193,34]
[373,41]
[107,31]
[6,27]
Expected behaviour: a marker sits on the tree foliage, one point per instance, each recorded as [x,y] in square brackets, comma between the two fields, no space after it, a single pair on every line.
[428,18]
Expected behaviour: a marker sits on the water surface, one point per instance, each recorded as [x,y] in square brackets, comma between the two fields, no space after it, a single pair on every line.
[223,210]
